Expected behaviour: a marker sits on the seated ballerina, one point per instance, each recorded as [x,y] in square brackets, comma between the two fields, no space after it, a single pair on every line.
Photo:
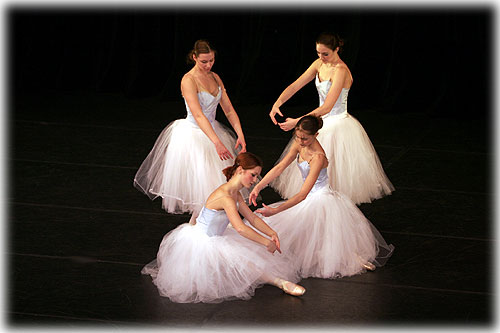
[208,262]
[327,234]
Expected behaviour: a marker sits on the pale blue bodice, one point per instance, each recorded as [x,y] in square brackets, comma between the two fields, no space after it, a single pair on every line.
[208,104]
[340,106]
[212,222]
[322,180]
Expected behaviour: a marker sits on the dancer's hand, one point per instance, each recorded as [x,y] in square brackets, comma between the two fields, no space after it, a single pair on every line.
[241,142]
[222,151]
[276,240]
[267,211]
[275,110]
[288,124]
[271,247]
[252,199]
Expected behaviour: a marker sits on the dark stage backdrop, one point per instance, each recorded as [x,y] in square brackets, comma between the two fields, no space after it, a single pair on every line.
[435,60]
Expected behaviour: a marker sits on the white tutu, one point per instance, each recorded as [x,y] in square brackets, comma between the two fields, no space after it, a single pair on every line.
[329,236]
[194,267]
[354,170]
[183,167]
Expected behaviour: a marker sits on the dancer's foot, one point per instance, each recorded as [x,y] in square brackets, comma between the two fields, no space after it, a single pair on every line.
[369,266]
[366,264]
[290,287]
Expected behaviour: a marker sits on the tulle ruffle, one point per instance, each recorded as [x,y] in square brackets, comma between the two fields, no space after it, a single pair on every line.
[183,167]
[354,167]
[193,267]
[329,236]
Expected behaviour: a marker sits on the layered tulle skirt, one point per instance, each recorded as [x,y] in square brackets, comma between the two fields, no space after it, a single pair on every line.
[183,167]
[354,167]
[194,267]
[328,236]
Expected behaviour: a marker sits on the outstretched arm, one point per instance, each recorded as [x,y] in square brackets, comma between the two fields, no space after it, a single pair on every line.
[274,172]
[231,116]
[337,79]
[306,77]
[189,91]
[257,222]
[316,164]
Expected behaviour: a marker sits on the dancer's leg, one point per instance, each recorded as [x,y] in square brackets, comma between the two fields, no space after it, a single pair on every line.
[287,286]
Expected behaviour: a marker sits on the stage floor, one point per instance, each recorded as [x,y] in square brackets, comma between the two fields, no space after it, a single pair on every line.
[78,232]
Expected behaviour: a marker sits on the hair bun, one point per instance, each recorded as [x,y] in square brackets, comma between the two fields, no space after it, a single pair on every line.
[331,40]
[200,46]
[310,124]
[246,160]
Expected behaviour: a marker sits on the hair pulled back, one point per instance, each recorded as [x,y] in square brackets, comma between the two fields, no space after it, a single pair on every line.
[246,161]
[200,46]
[309,124]
[331,40]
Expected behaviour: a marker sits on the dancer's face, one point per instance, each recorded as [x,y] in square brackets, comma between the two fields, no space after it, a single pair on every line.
[250,176]
[205,61]
[325,53]
[304,139]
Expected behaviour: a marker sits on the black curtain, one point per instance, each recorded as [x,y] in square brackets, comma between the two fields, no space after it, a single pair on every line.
[436,61]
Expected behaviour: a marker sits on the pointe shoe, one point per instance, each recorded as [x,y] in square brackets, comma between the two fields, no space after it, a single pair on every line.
[366,264]
[369,266]
[296,291]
